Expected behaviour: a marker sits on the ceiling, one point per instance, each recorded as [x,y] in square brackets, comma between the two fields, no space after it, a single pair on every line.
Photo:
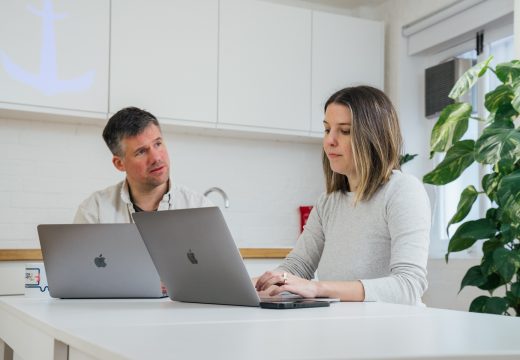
[347,4]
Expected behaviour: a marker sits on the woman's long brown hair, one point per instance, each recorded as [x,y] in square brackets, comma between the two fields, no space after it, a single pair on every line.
[376,140]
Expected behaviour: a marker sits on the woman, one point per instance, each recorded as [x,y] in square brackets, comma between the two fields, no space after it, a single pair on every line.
[367,236]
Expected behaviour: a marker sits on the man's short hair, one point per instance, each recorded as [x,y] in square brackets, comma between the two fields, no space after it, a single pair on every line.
[130,121]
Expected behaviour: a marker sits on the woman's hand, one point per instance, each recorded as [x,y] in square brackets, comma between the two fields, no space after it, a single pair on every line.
[287,282]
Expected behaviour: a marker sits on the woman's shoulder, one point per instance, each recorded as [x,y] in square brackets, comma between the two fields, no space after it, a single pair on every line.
[329,201]
[402,186]
[401,181]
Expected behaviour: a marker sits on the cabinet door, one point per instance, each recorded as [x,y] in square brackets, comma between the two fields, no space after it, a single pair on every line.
[346,51]
[164,58]
[264,65]
[55,54]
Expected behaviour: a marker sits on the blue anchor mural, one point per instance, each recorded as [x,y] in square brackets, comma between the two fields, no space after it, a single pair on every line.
[47,79]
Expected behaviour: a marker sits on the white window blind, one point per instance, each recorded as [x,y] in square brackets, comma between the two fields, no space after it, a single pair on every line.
[456,24]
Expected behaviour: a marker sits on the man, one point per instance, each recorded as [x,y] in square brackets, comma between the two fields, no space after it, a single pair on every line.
[134,137]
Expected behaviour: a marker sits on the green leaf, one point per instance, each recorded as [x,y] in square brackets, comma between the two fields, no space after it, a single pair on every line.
[452,124]
[478,304]
[490,184]
[473,277]
[492,282]
[492,214]
[504,113]
[506,166]
[496,144]
[507,263]
[508,72]
[467,198]
[489,246]
[490,305]
[515,289]
[508,194]
[469,232]
[501,96]
[469,78]
[496,305]
[515,103]
[501,124]
[457,159]
[513,300]
[405,158]
[508,233]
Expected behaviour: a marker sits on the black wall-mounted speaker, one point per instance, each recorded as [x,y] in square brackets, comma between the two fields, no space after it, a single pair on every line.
[439,81]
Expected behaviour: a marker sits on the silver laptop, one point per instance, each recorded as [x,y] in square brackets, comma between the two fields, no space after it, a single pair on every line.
[197,258]
[97,261]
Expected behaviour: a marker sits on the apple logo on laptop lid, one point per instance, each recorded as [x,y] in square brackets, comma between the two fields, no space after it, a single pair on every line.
[100,261]
[191,257]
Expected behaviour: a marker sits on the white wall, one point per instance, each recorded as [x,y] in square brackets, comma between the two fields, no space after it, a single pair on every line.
[47,169]
[444,285]
[404,77]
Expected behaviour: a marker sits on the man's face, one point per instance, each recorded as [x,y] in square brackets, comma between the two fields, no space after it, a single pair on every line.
[145,159]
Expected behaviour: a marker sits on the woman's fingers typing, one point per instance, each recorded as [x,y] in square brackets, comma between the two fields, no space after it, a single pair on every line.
[268,279]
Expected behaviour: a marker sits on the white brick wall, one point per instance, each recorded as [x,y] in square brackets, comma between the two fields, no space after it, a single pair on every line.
[47,169]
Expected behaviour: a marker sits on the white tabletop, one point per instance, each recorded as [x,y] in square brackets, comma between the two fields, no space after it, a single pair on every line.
[139,329]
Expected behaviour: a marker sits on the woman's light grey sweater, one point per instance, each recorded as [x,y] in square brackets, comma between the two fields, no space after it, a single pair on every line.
[383,242]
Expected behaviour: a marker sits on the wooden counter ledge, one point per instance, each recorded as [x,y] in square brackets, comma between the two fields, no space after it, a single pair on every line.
[247,253]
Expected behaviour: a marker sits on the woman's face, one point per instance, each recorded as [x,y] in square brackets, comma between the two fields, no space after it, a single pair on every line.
[337,141]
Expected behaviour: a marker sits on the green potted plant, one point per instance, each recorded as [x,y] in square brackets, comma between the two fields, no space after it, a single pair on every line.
[498,148]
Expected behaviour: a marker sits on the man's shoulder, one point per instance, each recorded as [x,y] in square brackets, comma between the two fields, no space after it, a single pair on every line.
[103,206]
[107,194]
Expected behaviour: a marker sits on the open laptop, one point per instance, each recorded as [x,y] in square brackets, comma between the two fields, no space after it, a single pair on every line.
[197,258]
[97,261]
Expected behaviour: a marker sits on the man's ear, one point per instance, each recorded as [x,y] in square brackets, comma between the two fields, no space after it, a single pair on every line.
[118,163]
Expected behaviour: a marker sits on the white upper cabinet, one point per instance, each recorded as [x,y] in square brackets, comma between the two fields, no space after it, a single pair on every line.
[54,55]
[346,51]
[164,58]
[253,66]
[264,66]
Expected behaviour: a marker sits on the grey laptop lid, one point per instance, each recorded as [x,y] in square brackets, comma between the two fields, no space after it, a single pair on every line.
[196,256]
[97,261]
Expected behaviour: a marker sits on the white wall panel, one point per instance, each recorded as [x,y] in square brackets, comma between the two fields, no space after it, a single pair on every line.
[54,54]
[164,58]
[264,65]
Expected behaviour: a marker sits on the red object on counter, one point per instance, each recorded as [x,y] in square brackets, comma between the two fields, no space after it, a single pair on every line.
[304,215]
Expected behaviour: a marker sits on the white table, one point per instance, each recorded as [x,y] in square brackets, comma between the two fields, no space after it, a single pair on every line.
[162,329]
